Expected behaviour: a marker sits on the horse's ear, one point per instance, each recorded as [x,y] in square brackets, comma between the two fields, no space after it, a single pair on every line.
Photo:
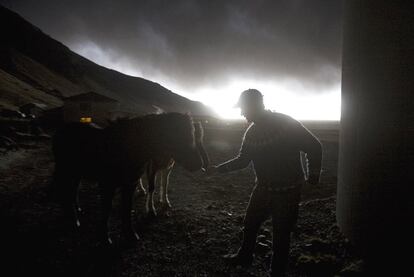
[158,110]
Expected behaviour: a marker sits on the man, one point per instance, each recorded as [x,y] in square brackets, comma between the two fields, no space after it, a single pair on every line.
[273,143]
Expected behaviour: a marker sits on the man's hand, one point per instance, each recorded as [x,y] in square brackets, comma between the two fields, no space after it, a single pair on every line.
[313,178]
[211,170]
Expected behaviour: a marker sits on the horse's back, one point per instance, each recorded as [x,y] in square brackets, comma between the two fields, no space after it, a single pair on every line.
[77,144]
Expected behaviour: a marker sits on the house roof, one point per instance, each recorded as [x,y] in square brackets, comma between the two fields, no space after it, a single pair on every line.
[92,97]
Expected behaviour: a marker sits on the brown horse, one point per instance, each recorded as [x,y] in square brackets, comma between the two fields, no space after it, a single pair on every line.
[160,168]
[116,157]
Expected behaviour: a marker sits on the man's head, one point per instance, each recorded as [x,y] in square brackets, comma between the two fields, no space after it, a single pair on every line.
[251,104]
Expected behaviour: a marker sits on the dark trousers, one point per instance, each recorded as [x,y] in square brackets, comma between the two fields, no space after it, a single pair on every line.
[283,207]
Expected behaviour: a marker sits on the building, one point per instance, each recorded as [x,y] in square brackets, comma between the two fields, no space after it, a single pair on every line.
[89,107]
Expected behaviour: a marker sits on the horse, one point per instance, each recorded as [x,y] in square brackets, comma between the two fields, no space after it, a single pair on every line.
[116,157]
[161,166]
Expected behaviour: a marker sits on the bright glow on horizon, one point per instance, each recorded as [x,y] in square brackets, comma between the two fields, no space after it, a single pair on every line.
[287,96]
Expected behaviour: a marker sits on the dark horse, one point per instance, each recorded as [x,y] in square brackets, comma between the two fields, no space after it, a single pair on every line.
[116,156]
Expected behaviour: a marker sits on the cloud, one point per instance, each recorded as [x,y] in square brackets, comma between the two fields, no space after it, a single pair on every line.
[202,43]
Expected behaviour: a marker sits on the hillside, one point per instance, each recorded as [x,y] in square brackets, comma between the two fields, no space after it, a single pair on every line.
[36,68]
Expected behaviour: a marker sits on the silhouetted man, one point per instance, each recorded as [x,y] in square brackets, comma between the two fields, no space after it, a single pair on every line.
[273,143]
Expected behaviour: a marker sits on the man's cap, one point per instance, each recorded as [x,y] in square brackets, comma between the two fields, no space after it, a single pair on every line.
[249,97]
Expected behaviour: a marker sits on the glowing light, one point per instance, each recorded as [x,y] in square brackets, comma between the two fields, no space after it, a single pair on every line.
[282,97]
[85,119]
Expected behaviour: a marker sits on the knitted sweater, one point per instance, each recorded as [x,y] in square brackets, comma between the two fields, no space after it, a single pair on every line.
[273,144]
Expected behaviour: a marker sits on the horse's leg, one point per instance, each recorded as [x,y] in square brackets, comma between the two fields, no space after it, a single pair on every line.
[76,202]
[77,207]
[162,187]
[52,189]
[128,231]
[70,198]
[140,187]
[165,179]
[149,205]
[107,191]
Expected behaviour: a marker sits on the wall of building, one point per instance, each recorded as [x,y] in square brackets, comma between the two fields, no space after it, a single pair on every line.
[99,112]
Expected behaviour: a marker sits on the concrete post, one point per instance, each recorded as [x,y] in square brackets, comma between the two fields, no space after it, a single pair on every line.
[376,154]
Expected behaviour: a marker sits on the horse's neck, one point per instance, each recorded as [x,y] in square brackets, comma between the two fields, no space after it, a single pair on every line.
[146,133]
[155,134]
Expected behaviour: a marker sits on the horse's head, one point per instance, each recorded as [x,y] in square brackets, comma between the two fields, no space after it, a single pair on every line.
[186,142]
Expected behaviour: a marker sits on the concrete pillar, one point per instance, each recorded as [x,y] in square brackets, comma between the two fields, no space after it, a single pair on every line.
[374,206]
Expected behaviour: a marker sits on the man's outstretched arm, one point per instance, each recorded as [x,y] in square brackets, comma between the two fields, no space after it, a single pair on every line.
[242,160]
[239,162]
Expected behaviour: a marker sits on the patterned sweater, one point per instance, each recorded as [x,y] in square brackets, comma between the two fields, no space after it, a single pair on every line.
[274,143]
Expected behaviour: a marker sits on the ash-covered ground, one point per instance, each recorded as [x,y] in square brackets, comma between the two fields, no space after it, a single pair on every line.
[188,240]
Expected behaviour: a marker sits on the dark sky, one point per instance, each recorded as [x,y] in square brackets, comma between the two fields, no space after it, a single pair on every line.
[195,43]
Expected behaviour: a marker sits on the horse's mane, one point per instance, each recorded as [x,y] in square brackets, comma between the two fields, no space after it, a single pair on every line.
[172,124]
[171,118]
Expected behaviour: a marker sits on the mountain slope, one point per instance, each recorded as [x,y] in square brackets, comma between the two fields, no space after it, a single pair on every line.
[36,68]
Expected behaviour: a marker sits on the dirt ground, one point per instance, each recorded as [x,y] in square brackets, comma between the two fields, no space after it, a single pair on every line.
[190,240]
